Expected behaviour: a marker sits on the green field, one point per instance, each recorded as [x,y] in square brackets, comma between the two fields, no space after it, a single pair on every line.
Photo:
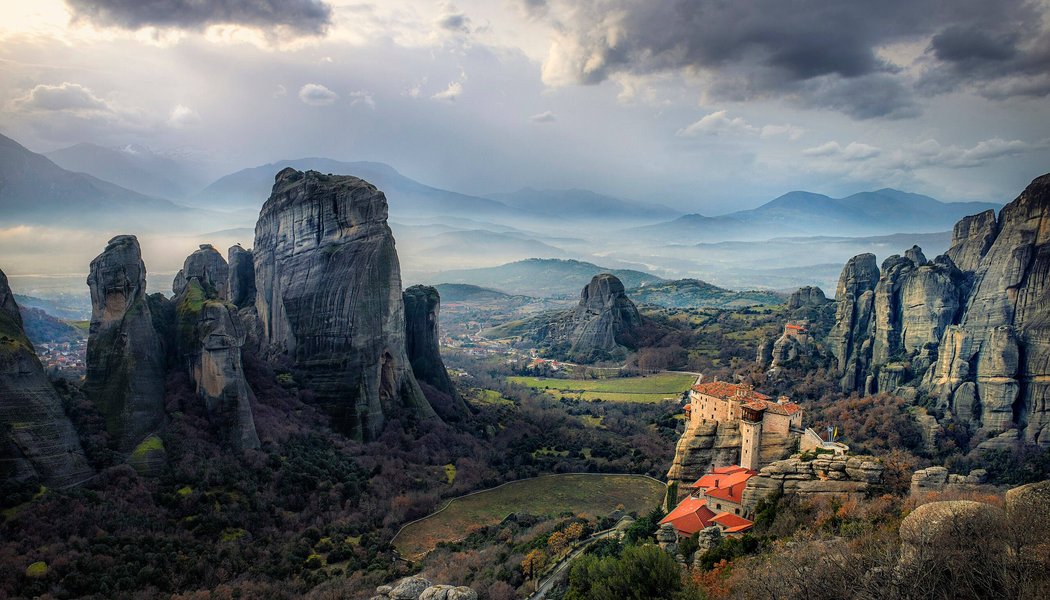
[650,388]
[550,495]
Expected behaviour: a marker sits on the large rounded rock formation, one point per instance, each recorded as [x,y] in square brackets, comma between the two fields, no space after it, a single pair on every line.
[328,296]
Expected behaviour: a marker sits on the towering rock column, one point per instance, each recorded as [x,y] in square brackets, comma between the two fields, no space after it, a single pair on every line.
[328,295]
[422,306]
[36,437]
[126,360]
[210,336]
[850,338]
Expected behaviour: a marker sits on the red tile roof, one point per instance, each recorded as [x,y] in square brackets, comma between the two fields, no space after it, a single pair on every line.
[786,409]
[731,492]
[691,515]
[729,477]
[732,523]
[725,391]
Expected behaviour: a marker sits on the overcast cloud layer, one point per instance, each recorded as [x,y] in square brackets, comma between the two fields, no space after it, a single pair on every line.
[710,106]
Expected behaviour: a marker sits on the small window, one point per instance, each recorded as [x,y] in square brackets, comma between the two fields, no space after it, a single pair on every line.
[718,505]
[738,511]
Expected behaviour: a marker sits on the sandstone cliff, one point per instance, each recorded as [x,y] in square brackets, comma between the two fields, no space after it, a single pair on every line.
[971,328]
[126,357]
[209,340]
[36,437]
[838,476]
[328,296]
[422,306]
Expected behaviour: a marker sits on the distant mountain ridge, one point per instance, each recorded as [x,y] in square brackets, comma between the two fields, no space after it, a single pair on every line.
[800,213]
[135,168]
[248,188]
[34,190]
[542,277]
[577,203]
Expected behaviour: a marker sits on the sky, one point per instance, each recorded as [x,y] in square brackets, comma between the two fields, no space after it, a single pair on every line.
[708,106]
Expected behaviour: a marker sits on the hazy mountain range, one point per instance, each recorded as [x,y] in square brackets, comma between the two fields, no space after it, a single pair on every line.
[805,213]
[779,245]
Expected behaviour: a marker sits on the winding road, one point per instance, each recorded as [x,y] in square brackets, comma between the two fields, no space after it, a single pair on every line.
[556,575]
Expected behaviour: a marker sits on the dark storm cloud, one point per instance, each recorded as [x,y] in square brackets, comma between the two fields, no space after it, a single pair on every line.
[804,49]
[1000,59]
[957,44]
[304,16]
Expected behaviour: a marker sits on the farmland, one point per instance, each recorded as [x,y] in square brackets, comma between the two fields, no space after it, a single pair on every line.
[549,495]
[650,388]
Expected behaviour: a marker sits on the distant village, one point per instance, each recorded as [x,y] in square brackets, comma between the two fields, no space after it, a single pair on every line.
[65,359]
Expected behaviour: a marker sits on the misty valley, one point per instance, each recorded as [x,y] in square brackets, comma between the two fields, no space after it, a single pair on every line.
[524,300]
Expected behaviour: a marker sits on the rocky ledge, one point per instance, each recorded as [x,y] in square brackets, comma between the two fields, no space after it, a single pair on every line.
[840,476]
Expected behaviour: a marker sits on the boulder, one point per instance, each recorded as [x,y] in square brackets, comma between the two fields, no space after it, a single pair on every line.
[126,355]
[37,439]
[328,297]
[448,592]
[409,588]
[960,523]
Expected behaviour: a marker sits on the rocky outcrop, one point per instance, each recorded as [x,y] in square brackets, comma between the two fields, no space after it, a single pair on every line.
[850,338]
[126,356]
[209,268]
[702,447]
[953,523]
[838,476]
[422,306]
[806,297]
[241,286]
[973,324]
[789,347]
[971,238]
[937,479]
[328,297]
[420,588]
[37,439]
[209,340]
[599,328]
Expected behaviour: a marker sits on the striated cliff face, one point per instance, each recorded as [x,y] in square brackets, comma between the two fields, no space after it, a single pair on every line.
[126,356]
[850,338]
[974,323]
[601,324]
[328,296]
[241,286]
[422,306]
[839,476]
[209,340]
[36,437]
[702,447]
